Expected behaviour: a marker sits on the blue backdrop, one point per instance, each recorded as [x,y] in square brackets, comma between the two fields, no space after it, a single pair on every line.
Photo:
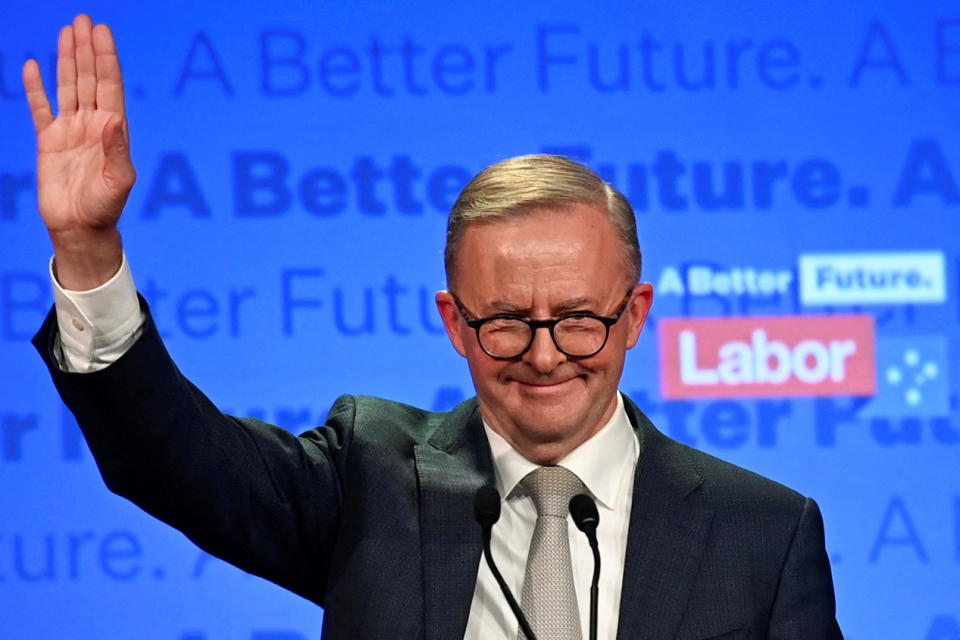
[296,163]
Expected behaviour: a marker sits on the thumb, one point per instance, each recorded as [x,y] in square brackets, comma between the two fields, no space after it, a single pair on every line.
[118,168]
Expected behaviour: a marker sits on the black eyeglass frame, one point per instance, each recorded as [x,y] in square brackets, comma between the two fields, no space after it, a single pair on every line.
[607,321]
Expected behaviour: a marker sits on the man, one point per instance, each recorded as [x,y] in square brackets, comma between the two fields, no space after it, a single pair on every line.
[370,516]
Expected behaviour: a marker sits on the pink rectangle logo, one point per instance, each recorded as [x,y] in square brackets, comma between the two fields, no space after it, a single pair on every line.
[767,356]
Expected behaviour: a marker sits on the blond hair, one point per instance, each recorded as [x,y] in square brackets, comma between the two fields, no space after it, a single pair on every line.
[524,184]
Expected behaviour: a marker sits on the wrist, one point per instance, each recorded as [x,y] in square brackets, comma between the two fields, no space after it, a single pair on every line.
[85,259]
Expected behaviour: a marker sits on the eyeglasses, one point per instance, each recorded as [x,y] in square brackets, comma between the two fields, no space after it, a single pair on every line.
[577,335]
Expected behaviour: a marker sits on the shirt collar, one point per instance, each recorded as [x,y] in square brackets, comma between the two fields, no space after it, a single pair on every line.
[598,462]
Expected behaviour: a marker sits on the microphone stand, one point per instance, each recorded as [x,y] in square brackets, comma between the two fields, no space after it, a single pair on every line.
[486,509]
[594,586]
[522,619]
[583,510]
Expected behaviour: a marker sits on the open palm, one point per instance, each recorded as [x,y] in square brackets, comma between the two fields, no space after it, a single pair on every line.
[84,171]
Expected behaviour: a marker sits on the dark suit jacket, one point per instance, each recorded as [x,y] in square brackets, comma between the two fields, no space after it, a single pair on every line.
[370,516]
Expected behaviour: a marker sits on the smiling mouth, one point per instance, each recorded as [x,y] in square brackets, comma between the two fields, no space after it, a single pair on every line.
[546,386]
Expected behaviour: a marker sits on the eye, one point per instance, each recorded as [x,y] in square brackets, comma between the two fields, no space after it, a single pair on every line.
[504,325]
[572,324]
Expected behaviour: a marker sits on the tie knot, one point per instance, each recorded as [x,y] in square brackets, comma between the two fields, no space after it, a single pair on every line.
[551,489]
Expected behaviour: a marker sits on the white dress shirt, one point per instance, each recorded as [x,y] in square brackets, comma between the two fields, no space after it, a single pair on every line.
[98,326]
[605,464]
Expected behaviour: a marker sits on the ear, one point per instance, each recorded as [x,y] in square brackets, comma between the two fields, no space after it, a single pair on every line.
[452,320]
[637,311]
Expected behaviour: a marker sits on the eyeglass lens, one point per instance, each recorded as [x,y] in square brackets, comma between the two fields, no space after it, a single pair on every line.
[508,337]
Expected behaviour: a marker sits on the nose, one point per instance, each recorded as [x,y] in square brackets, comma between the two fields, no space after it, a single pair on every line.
[543,354]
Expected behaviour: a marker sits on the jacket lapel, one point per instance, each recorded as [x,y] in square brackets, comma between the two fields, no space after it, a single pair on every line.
[668,529]
[453,464]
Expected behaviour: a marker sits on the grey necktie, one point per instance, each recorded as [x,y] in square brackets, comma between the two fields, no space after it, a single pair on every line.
[549,599]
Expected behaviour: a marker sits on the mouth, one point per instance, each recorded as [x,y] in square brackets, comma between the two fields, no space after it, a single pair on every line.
[546,387]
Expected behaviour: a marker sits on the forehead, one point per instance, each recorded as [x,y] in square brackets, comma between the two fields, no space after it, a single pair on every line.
[547,256]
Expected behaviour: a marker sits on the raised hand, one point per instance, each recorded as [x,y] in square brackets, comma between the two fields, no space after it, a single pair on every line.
[84,171]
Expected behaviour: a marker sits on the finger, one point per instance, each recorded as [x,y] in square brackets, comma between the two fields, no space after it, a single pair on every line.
[86,66]
[66,72]
[36,96]
[109,78]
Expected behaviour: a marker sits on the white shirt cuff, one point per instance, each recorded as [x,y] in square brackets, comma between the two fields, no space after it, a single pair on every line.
[97,326]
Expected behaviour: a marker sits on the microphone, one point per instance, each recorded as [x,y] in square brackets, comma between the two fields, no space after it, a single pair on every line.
[486,509]
[584,513]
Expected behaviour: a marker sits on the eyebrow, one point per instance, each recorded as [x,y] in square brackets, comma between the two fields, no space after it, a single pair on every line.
[567,306]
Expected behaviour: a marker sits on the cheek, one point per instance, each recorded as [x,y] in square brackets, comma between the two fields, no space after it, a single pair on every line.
[598,366]
[620,340]
[609,361]
[484,369]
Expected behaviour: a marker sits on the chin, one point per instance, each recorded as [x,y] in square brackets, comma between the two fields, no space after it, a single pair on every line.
[551,426]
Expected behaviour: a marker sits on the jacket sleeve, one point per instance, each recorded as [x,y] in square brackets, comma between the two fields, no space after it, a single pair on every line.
[250,493]
[805,605]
